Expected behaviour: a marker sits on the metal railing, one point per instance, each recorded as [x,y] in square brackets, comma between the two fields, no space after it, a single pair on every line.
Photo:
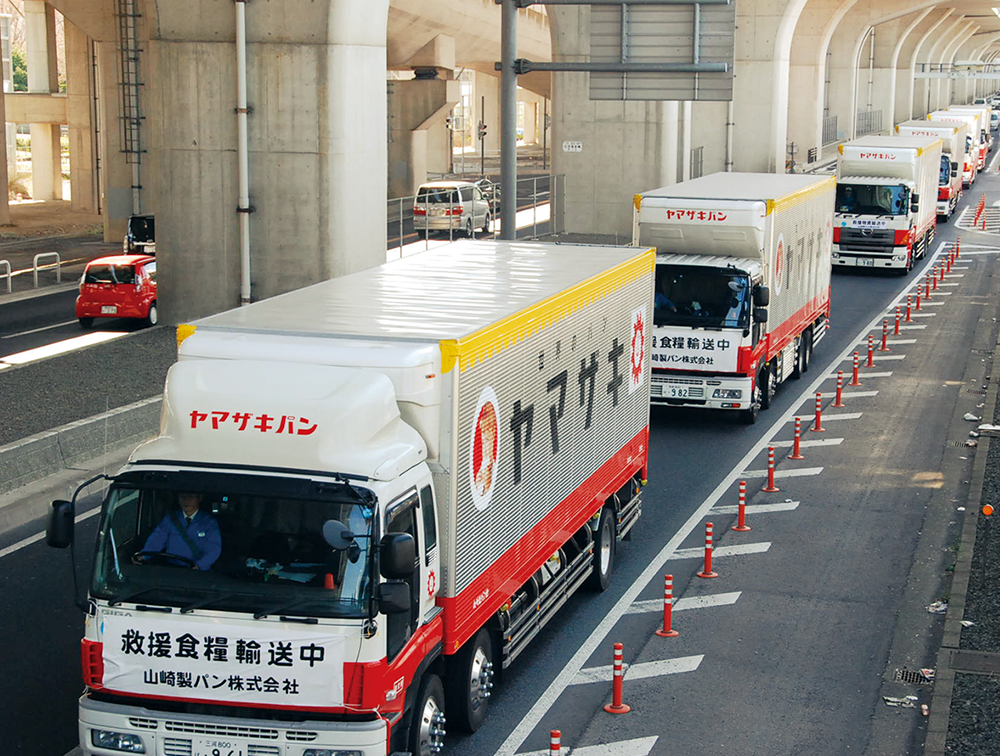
[36,267]
[829,129]
[539,213]
[697,162]
[8,275]
[868,122]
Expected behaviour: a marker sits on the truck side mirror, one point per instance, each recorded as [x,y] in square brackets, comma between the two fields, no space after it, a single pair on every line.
[761,296]
[59,533]
[914,203]
[393,598]
[397,556]
[760,314]
[954,170]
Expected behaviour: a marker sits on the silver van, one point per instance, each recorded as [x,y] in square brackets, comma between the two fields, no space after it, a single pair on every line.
[451,206]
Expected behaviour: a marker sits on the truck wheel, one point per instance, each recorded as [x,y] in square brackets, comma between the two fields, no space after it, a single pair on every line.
[767,382]
[472,691]
[427,724]
[604,551]
[807,349]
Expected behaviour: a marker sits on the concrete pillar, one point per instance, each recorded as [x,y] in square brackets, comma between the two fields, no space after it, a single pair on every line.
[685,141]
[941,88]
[889,38]
[79,108]
[418,137]
[669,144]
[923,89]
[43,77]
[4,177]
[807,74]
[115,174]
[626,146]
[906,107]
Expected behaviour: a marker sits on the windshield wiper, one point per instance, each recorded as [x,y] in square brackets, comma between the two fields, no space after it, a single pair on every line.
[206,601]
[130,596]
[282,608]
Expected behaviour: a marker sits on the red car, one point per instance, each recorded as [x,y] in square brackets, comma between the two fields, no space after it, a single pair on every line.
[120,286]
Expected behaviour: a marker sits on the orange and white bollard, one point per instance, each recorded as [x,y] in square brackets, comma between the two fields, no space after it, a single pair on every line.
[741,517]
[918,297]
[616,706]
[908,320]
[855,381]
[934,278]
[796,446]
[818,426]
[958,247]
[895,331]
[884,346]
[707,571]
[871,351]
[927,286]
[840,389]
[668,603]
[555,742]
[770,487]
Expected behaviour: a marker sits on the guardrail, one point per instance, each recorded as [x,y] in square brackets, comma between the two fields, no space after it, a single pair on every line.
[8,275]
[35,266]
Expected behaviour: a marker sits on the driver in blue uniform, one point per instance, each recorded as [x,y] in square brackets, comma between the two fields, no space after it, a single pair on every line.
[188,533]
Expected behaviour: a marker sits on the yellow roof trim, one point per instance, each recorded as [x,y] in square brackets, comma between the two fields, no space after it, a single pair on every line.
[637,201]
[790,200]
[487,342]
[183,331]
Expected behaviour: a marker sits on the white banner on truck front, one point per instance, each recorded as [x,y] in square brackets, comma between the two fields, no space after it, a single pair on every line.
[265,663]
[715,351]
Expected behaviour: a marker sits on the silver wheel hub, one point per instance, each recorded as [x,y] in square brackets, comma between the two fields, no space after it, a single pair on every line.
[481,680]
[432,731]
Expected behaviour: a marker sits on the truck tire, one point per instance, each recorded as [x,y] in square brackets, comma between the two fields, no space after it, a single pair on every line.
[604,551]
[767,382]
[473,686]
[428,721]
[807,349]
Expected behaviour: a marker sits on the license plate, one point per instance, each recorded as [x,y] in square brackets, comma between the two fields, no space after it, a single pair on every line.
[216,747]
[866,262]
[677,392]
[109,310]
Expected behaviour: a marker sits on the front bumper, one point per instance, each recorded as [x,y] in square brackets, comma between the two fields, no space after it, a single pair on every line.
[170,734]
[861,260]
[729,392]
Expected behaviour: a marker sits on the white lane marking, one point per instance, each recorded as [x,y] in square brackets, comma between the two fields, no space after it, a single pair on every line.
[639,671]
[981,252]
[922,315]
[800,473]
[894,341]
[884,374]
[695,602]
[925,303]
[856,394]
[538,710]
[912,327]
[39,536]
[37,330]
[803,443]
[842,416]
[61,347]
[720,552]
[781,506]
[636,747]
[948,284]
[878,357]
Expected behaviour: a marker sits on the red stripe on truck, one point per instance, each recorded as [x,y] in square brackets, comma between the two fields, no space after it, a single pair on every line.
[468,611]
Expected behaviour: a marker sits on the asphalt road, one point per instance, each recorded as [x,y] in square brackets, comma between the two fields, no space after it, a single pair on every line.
[797,664]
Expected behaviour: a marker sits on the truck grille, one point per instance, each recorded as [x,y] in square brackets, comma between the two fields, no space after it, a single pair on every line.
[695,387]
[222,731]
[874,241]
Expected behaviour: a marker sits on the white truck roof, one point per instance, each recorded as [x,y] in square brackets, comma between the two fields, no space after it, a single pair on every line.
[737,186]
[444,293]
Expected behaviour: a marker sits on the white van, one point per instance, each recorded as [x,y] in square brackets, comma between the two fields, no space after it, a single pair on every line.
[451,206]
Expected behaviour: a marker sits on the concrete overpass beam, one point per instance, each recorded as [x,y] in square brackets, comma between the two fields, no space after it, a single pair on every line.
[418,139]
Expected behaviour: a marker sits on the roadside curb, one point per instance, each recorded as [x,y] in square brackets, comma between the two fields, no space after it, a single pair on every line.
[77,443]
[944,676]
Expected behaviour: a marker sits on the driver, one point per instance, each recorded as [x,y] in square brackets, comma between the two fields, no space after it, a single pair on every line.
[187,533]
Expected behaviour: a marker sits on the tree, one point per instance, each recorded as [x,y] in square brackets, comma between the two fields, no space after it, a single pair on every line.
[20,68]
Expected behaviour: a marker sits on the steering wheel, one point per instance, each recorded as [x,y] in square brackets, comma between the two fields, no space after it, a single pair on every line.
[163,558]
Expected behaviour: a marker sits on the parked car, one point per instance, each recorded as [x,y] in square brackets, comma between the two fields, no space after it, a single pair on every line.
[119,286]
[140,236]
[451,205]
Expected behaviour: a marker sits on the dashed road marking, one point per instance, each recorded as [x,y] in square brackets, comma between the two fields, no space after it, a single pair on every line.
[636,747]
[781,506]
[639,671]
[679,605]
[800,473]
[720,552]
[805,444]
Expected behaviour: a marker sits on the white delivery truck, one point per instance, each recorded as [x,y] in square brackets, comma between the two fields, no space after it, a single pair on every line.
[977,129]
[743,285]
[983,112]
[970,169]
[887,188]
[398,477]
[953,156]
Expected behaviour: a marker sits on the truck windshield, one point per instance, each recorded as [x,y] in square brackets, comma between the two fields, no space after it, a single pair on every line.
[868,199]
[945,177]
[690,295]
[260,551]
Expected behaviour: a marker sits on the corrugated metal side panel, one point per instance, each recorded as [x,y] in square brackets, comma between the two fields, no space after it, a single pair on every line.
[527,384]
[800,271]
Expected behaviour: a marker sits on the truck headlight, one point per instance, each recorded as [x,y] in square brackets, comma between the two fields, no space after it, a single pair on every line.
[722,393]
[329,752]
[117,741]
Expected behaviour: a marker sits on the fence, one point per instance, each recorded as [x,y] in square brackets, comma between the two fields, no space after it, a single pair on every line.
[539,213]
[697,162]
[868,122]
[830,130]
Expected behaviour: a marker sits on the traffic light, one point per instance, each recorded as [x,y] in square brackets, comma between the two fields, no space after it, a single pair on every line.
[482,130]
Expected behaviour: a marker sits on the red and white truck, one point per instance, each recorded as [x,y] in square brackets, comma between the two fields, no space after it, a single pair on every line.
[887,188]
[953,137]
[743,285]
[409,470]
[983,113]
[974,149]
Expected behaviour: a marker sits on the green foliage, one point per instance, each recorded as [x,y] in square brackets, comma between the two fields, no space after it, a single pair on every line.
[20,67]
